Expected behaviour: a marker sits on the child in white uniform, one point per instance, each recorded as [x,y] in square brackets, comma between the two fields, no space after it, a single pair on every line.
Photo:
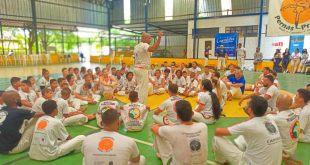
[68,115]
[134,114]
[192,86]
[158,83]
[84,93]
[47,94]
[180,81]
[105,105]
[168,105]
[208,109]
[50,138]
[44,81]
[130,84]
[28,96]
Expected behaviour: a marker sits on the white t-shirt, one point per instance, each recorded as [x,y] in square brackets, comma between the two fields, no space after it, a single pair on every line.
[134,116]
[187,80]
[48,134]
[205,99]
[288,125]
[169,106]
[82,92]
[273,92]
[193,85]
[263,139]
[10,88]
[180,82]
[189,143]
[63,108]
[195,70]
[304,119]
[37,106]
[108,148]
[158,82]
[44,82]
[130,85]
[31,97]
[241,52]
[203,76]
[142,56]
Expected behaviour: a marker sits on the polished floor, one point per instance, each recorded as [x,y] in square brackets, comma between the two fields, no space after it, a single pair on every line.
[144,138]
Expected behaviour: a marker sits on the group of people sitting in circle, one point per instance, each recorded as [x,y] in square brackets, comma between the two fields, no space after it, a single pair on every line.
[34,114]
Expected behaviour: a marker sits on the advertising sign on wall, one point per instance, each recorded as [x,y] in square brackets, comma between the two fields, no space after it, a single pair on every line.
[229,41]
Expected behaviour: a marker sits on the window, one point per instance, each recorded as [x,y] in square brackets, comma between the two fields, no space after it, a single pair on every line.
[202,9]
[226,7]
[127,13]
[206,32]
[249,31]
[168,10]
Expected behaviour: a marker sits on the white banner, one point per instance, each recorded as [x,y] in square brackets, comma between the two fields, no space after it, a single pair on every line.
[288,17]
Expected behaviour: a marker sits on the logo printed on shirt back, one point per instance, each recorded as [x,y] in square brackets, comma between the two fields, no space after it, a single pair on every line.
[195,145]
[294,130]
[270,127]
[106,144]
[134,113]
[42,124]
[3,115]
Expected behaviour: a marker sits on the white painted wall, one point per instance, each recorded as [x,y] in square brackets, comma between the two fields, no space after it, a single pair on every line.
[267,46]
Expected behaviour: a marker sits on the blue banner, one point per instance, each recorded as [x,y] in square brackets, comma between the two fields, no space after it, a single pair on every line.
[229,41]
[296,42]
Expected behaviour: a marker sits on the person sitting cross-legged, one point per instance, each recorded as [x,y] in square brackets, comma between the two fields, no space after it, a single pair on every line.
[16,125]
[168,105]
[185,143]
[134,114]
[50,138]
[264,145]
[110,147]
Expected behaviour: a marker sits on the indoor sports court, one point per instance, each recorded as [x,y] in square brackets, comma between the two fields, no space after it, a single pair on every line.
[155,82]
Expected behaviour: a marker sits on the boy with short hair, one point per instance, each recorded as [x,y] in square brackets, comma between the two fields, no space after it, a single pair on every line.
[105,105]
[15,84]
[28,96]
[68,115]
[54,87]
[47,94]
[84,92]
[134,114]
[191,88]
[50,138]
[169,106]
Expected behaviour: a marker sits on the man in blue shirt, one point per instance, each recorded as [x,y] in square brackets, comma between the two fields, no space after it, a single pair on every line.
[236,84]
[221,55]
[15,132]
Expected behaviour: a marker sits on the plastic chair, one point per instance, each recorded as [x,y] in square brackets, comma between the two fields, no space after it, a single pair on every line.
[121,59]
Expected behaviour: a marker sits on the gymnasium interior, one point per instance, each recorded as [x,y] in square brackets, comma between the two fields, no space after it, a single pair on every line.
[57,34]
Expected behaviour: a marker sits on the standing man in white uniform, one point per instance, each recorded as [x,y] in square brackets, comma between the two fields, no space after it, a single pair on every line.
[143,52]
[241,54]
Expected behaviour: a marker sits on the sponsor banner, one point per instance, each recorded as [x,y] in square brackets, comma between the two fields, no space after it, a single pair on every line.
[229,40]
[296,42]
[288,17]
